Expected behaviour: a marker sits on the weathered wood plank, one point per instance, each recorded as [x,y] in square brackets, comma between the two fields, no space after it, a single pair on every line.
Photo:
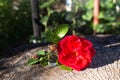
[105,65]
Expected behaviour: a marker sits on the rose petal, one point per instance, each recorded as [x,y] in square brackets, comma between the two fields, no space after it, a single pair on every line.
[75,52]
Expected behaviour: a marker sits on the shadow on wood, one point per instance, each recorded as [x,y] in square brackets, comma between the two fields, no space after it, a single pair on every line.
[105,65]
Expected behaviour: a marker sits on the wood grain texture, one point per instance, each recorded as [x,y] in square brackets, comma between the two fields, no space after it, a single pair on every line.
[105,64]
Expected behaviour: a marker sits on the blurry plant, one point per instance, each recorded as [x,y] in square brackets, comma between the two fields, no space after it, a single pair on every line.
[52,21]
[108,16]
[82,17]
[54,36]
[12,14]
[15,21]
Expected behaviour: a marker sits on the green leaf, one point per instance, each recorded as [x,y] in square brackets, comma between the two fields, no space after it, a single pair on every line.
[59,33]
[88,16]
[47,4]
[44,20]
[55,39]
[107,4]
[109,18]
[101,15]
[32,61]
[41,52]
[65,67]
[49,35]
[89,4]
[61,30]
[44,64]
[99,28]
[41,58]
[44,61]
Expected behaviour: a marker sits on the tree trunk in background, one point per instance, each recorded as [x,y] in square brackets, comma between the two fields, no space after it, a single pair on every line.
[96,14]
[35,18]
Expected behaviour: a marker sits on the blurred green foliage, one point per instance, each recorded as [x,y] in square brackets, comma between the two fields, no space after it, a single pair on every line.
[44,56]
[80,18]
[16,25]
[109,16]
[15,21]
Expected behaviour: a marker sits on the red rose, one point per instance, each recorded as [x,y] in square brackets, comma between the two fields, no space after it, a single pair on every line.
[75,52]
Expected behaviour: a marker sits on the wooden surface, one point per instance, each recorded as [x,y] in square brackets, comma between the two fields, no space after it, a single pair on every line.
[105,65]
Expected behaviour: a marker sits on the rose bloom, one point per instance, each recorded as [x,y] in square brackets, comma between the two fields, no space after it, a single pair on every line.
[75,52]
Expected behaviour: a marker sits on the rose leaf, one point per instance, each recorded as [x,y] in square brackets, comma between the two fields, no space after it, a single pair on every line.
[61,30]
[49,35]
[32,61]
[41,52]
[65,67]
